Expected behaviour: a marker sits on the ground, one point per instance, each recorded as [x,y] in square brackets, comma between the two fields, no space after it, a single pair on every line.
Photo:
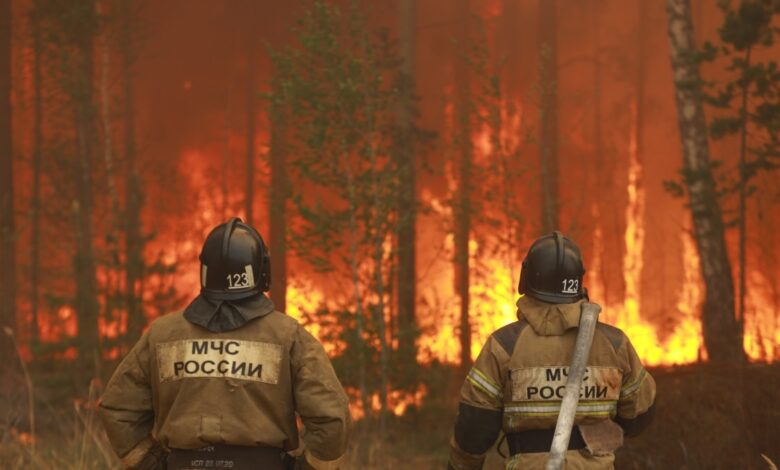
[707,417]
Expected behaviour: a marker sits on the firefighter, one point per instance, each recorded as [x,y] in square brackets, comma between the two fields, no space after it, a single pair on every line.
[517,383]
[219,384]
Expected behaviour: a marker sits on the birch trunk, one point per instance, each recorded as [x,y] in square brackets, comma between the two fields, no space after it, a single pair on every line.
[719,325]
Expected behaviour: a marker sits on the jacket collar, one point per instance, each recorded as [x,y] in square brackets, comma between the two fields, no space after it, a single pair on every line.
[218,316]
[549,319]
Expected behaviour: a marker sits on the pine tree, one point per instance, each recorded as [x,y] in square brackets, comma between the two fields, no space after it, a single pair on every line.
[338,122]
[751,99]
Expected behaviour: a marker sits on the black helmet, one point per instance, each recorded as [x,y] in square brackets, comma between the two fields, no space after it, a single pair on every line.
[552,270]
[234,262]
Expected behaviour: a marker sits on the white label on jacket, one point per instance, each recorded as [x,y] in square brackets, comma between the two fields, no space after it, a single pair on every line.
[227,358]
[549,383]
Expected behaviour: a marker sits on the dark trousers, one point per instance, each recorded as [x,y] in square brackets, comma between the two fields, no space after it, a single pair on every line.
[222,457]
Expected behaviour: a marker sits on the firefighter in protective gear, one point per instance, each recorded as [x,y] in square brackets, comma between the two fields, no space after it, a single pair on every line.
[219,384]
[517,383]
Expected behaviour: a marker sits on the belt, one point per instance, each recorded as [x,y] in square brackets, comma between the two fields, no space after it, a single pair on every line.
[540,440]
[226,457]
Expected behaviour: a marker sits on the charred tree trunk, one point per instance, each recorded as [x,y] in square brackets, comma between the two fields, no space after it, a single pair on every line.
[277,201]
[462,212]
[510,42]
[743,193]
[251,110]
[719,325]
[111,281]
[641,71]
[7,248]
[603,175]
[548,145]
[86,301]
[35,202]
[134,200]
[407,253]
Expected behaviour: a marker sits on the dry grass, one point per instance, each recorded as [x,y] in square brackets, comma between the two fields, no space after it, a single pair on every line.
[707,418]
[72,439]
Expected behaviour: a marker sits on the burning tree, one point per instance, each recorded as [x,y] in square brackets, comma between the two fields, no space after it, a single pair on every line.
[75,26]
[83,147]
[484,160]
[338,92]
[751,101]
[719,326]
[746,107]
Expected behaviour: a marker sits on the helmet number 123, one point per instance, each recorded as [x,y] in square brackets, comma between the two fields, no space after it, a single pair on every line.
[236,281]
[571,286]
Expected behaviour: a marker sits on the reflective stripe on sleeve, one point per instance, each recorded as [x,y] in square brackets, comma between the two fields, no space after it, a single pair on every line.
[631,387]
[547,408]
[481,381]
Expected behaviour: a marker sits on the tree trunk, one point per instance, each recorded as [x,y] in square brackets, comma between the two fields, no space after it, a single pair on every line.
[84,259]
[743,192]
[108,144]
[7,245]
[407,253]
[548,145]
[251,110]
[510,44]
[641,71]
[719,326]
[379,217]
[35,202]
[462,209]
[111,280]
[226,157]
[277,202]
[134,243]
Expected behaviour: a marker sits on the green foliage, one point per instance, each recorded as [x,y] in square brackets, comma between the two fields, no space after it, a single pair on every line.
[749,101]
[746,30]
[748,26]
[337,92]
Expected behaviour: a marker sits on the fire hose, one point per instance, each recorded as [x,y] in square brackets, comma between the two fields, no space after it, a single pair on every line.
[588,318]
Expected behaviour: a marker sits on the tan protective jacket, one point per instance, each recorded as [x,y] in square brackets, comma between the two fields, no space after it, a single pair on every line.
[183,386]
[518,380]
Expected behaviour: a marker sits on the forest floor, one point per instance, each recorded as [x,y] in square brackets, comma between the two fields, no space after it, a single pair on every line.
[707,417]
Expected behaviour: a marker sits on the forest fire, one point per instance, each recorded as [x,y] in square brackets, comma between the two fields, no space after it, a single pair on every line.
[398,158]
[493,291]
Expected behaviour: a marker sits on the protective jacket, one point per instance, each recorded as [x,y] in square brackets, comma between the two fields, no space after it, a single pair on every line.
[225,373]
[517,385]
